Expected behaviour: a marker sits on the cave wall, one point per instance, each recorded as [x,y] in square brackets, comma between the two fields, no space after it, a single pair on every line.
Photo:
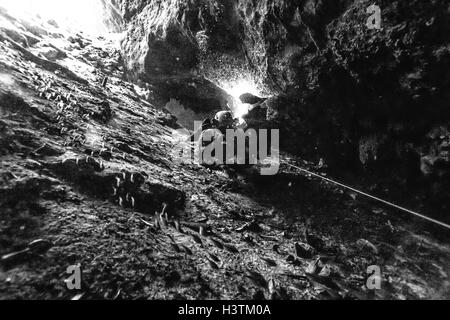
[341,91]
[113,18]
[161,49]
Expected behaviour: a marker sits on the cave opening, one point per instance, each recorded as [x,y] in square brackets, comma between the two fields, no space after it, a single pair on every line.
[237,88]
[91,17]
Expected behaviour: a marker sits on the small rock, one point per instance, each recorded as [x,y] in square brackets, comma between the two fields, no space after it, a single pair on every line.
[78,297]
[276,248]
[304,250]
[249,98]
[52,54]
[326,271]
[213,265]
[197,239]
[257,278]
[269,262]
[315,241]
[290,258]
[217,243]
[231,248]
[314,267]
[214,258]
[252,227]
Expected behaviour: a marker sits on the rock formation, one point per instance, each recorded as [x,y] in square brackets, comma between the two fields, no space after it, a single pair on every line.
[91,176]
[359,97]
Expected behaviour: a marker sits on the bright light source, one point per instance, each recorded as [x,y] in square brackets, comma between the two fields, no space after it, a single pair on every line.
[238,88]
[75,15]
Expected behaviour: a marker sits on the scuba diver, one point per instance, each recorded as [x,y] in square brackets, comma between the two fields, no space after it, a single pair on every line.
[214,134]
[211,131]
[222,121]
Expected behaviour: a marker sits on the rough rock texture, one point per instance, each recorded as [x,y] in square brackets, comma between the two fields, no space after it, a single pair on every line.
[161,49]
[88,178]
[113,18]
[357,97]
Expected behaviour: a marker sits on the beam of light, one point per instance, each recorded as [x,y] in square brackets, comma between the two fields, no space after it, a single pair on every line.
[6,79]
[238,88]
[74,15]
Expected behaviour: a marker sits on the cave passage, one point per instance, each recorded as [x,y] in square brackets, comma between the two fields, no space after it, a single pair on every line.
[102,196]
